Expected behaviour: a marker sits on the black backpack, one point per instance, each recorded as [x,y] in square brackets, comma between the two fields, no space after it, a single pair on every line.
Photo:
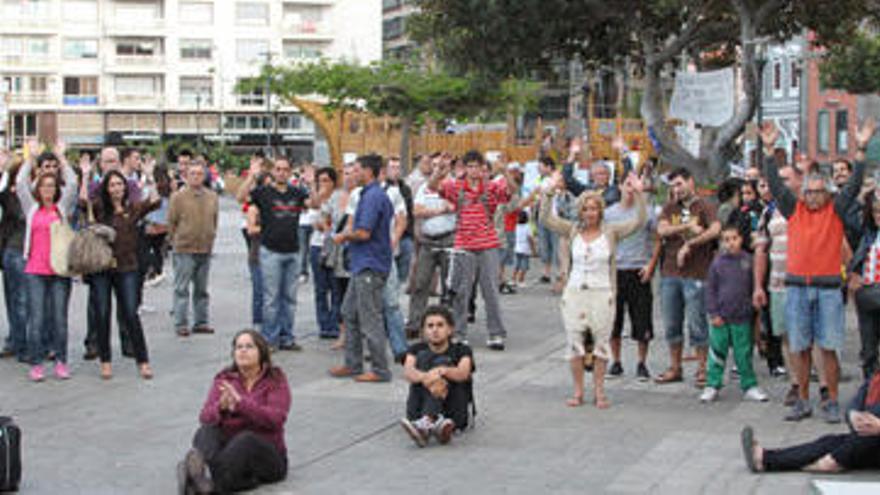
[10,455]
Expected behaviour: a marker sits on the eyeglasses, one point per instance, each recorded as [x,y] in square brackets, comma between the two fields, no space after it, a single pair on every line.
[814,192]
[245,347]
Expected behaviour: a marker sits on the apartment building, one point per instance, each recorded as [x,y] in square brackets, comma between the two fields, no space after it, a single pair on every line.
[395,42]
[108,71]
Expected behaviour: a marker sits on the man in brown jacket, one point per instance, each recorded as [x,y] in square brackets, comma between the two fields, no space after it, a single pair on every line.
[192,222]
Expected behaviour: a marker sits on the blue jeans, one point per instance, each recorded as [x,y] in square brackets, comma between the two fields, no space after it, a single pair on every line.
[814,314]
[15,291]
[191,269]
[682,299]
[256,294]
[48,296]
[304,237]
[548,246]
[404,258]
[280,281]
[326,287]
[125,285]
[393,315]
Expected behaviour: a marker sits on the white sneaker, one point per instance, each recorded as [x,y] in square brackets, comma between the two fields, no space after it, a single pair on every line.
[755,394]
[155,280]
[145,309]
[709,394]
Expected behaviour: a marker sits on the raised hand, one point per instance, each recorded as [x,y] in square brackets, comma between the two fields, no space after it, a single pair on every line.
[865,132]
[85,165]
[4,159]
[32,146]
[60,148]
[256,167]
[149,166]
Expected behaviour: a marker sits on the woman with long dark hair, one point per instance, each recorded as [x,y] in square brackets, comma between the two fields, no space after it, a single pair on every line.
[114,209]
[51,200]
[240,443]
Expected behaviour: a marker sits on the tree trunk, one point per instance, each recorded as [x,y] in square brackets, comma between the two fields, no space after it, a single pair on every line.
[406,123]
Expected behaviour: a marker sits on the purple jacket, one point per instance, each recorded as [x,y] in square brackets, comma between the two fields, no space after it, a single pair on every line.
[729,288]
[263,410]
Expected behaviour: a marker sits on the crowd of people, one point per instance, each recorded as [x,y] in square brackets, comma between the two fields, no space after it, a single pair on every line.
[768,264]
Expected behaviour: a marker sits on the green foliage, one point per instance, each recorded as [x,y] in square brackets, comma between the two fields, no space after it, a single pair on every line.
[854,67]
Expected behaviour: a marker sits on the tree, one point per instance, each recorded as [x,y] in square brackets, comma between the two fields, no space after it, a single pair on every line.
[652,36]
[854,67]
[409,92]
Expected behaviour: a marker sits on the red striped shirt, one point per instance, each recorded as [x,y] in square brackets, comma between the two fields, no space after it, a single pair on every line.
[476,230]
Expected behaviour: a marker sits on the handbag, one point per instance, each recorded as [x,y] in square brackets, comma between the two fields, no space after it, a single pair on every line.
[91,250]
[61,236]
[10,455]
[868,298]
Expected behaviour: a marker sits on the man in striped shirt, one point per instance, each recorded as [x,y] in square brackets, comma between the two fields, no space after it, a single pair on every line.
[474,199]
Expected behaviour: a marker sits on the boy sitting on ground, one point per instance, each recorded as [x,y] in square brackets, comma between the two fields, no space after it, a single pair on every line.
[439,372]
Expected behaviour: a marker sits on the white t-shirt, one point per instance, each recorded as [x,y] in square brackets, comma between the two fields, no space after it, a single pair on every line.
[436,225]
[522,246]
[317,239]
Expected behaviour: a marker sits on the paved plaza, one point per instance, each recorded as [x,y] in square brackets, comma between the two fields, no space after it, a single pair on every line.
[126,435]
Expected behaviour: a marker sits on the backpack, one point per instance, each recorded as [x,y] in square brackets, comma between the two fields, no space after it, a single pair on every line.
[10,455]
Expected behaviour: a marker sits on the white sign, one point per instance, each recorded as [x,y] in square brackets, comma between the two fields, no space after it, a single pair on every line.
[703,97]
[689,138]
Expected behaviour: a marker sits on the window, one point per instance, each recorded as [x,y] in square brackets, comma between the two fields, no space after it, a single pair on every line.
[390,4]
[251,50]
[80,90]
[303,18]
[24,125]
[80,10]
[247,122]
[255,97]
[25,8]
[137,86]
[196,91]
[195,49]
[196,13]
[392,28]
[795,75]
[252,13]
[26,84]
[841,127]
[823,129]
[137,48]
[137,11]
[302,50]
[290,122]
[777,76]
[80,48]
[24,46]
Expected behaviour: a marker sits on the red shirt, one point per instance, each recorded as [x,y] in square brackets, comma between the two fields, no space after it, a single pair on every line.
[475,230]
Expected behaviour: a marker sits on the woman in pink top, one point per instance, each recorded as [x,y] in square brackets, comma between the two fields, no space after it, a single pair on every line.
[240,444]
[50,200]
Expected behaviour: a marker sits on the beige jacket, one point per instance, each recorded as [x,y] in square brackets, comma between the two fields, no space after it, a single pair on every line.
[192,220]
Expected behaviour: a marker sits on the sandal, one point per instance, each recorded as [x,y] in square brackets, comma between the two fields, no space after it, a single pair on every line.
[700,377]
[669,376]
[601,402]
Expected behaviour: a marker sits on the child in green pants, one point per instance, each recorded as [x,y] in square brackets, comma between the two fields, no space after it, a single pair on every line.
[729,304]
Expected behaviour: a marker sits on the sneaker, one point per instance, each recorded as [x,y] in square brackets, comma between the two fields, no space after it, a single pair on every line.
[616,370]
[418,430]
[800,410]
[824,395]
[61,371]
[197,472]
[755,394]
[155,280]
[642,373]
[831,411]
[791,396]
[292,346]
[545,279]
[443,430]
[37,373]
[709,394]
[303,278]
[778,371]
[145,309]
[495,343]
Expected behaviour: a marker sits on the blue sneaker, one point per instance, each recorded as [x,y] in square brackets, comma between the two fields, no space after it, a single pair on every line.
[831,412]
[800,410]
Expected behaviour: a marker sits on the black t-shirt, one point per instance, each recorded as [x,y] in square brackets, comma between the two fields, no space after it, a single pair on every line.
[279,216]
[427,360]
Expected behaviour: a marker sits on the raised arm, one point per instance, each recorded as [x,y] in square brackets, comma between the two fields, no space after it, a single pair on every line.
[23,185]
[571,183]
[624,229]
[551,220]
[786,201]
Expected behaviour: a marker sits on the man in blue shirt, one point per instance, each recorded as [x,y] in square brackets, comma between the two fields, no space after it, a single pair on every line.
[370,249]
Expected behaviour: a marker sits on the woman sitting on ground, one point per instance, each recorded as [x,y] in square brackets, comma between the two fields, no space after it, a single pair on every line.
[240,444]
[858,449]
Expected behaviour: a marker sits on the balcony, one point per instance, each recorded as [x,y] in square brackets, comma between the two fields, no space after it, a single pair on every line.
[139,64]
[123,26]
[306,30]
[30,24]
[154,101]
[27,62]
[80,100]
[31,98]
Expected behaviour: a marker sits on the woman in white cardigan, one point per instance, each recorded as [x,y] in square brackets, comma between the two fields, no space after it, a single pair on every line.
[588,299]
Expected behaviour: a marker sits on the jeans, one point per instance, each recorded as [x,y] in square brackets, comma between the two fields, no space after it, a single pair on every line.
[393,315]
[155,252]
[280,281]
[814,315]
[48,297]
[682,299]
[851,451]
[191,269]
[256,294]
[328,296]
[548,245]
[15,292]
[93,323]
[242,462]
[404,258]
[125,286]
[304,237]
[362,312]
